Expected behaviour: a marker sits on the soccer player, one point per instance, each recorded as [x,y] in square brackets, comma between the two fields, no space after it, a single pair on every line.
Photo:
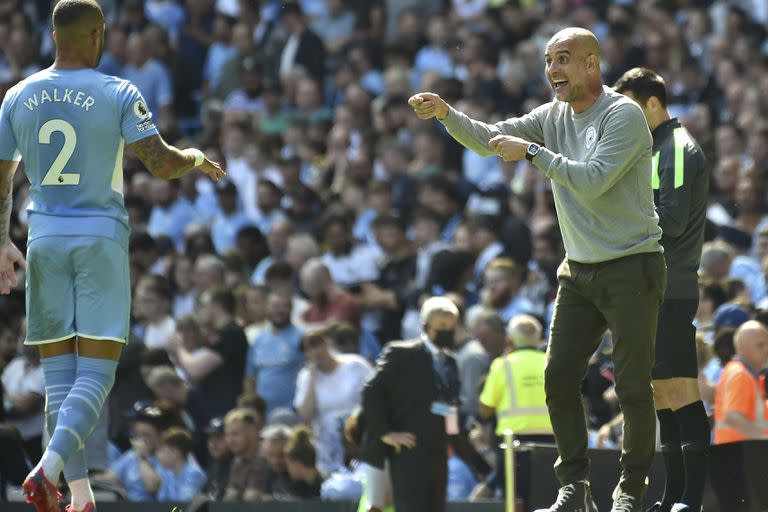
[69,124]
[681,185]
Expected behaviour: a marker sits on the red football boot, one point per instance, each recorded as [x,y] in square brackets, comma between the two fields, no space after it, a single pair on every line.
[41,492]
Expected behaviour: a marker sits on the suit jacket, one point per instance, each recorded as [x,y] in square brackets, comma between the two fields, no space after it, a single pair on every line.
[398,398]
[311,55]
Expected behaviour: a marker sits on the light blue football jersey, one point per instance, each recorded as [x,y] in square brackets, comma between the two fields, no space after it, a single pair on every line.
[70,127]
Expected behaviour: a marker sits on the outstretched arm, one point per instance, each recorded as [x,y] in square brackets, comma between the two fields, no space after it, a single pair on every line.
[168,162]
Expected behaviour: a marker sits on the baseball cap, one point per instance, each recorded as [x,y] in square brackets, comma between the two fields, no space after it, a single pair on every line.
[729,315]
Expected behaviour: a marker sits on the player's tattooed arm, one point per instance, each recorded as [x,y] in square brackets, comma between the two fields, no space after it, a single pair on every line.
[7,169]
[160,159]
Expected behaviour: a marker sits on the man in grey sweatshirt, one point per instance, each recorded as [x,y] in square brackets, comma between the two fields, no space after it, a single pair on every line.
[595,147]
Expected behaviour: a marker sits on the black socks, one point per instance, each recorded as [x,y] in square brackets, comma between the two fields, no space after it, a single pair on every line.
[673,457]
[694,440]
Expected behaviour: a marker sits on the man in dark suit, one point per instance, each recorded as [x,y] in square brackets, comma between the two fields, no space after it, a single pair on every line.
[303,47]
[411,407]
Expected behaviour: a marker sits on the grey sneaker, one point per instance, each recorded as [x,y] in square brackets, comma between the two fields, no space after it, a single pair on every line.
[576,497]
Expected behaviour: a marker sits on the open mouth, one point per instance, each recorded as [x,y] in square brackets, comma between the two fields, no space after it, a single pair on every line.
[559,84]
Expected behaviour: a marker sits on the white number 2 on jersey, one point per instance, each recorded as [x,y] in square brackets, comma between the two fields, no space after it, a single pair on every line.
[56,174]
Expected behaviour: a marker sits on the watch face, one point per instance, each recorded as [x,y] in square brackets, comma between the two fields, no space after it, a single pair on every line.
[533,149]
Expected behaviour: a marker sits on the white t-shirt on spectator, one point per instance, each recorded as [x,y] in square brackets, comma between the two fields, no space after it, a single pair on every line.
[19,379]
[157,333]
[336,394]
[360,265]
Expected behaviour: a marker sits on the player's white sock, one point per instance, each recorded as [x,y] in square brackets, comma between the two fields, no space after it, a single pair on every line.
[52,464]
[82,494]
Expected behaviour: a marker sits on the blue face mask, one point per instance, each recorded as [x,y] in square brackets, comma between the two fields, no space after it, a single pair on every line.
[444,338]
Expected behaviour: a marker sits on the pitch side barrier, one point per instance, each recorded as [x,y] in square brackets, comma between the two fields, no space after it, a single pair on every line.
[738,468]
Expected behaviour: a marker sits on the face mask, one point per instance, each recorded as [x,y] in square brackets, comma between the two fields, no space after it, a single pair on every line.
[444,338]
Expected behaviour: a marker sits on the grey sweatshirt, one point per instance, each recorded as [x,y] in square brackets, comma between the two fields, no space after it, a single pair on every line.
[599,162]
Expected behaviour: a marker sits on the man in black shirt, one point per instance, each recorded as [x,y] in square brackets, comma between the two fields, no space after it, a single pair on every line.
[395,290]
[217,368]
[681,185]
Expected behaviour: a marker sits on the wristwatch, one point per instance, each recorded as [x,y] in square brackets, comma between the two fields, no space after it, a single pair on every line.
[532,150]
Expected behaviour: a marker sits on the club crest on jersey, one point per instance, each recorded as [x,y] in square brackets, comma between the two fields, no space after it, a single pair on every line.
[591,137]
[140,109]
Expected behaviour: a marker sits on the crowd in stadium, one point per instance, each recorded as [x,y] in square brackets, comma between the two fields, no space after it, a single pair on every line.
[261,302]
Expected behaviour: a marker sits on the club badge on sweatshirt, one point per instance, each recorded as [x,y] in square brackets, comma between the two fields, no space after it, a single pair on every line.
[591,137]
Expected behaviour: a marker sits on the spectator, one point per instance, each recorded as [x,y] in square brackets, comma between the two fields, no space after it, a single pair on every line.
[502,290]
[395,290]
[181,476]
[182,284]
[248,468]
[137,469]
[327,390]
[300,460]
[350,264]
[336,27]
[303,47]
[281,276]
[243,42]
[114,57]
[229,220]
[328,301]
[166,385]
[221,460]
[277,482]
[252,309]
[151,77]
[220,52]
[153,307]
[23,398]
[171,212]
[209,273]
[216,369]
[247,98]
[275,357]
[277,241]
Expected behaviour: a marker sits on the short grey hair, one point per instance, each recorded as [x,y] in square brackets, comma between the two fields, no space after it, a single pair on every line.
[488,317]
[714,252]
[437,306]
[524,331]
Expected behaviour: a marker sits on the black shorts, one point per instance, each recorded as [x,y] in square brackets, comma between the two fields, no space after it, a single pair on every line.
[676,340]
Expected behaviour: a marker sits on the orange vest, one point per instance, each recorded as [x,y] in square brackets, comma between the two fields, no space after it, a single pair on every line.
[740,391]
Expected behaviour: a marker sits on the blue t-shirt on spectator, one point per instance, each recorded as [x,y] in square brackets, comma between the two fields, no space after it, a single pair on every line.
[460,480]
[275,359]
[224,230]
[171,221]
[181,486]
[127,469]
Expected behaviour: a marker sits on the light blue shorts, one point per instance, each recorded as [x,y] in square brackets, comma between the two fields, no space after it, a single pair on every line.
[77,286]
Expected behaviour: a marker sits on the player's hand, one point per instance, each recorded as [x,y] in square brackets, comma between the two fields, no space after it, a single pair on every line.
[9,257]
[212,169]
[428,105]
[508,148]
[399,440]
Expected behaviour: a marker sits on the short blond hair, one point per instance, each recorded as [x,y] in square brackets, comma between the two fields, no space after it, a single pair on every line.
[435,306]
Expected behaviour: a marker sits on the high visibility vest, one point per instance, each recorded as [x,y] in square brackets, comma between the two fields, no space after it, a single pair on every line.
[724,433]
[526,412]
[363,504]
